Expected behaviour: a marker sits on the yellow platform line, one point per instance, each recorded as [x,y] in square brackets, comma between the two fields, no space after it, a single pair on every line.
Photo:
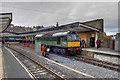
[3,66]
[25,68]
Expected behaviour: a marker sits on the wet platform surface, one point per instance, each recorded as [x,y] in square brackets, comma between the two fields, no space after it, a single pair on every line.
[1,64]
[12,68]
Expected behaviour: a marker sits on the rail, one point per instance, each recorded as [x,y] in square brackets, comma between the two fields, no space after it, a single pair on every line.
[100,63]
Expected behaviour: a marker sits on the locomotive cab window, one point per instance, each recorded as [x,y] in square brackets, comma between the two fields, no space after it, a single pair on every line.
[71,37]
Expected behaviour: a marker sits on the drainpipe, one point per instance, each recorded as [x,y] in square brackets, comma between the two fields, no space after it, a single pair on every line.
[96,37]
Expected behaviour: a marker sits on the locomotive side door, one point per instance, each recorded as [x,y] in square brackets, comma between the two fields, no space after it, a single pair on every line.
[58,40]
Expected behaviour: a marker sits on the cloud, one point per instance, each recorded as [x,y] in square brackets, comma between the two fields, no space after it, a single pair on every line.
[48,13]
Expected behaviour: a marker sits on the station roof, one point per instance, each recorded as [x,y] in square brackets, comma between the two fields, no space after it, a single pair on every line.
[5,20]
[77,26]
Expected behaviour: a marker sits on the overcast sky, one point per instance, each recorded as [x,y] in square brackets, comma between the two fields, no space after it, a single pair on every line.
[48,13]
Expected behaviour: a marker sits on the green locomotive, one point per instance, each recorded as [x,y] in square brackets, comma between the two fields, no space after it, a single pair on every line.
[64,43]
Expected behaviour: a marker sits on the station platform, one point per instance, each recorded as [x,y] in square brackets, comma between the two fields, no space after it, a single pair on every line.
[103,54]
[105,51]
[1,64]
[12,68]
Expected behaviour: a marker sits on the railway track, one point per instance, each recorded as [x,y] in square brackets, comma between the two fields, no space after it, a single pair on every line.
[37,70]
[100,63]
[96,62]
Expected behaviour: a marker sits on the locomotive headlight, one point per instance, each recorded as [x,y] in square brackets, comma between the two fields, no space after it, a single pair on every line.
[48,49]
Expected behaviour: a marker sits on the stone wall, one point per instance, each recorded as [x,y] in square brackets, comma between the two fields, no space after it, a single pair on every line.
[107,58]
[117,44]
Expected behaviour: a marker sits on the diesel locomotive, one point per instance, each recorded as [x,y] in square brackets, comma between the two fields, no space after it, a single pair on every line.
[64,43]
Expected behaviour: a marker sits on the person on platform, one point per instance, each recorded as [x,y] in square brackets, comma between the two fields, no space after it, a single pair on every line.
[85,44]
[98,42]
[43,50]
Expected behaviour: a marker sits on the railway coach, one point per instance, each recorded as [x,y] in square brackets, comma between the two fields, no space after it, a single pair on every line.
[64,43]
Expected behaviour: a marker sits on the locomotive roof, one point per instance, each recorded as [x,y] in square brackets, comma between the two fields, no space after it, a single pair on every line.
[56,34]
[43,35]
[39,35]
[60,34]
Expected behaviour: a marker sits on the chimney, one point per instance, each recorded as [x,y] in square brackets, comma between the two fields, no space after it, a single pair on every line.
[57,24]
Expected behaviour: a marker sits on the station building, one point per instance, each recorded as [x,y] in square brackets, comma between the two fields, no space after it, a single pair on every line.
[92,35]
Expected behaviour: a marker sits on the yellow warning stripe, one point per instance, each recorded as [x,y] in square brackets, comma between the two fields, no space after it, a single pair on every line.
[25,68]
[3,61]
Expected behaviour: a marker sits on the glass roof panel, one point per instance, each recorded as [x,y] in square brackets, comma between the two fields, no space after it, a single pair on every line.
[5,20]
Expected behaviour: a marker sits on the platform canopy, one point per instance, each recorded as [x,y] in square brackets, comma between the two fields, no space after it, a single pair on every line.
[5,20]
[77,26]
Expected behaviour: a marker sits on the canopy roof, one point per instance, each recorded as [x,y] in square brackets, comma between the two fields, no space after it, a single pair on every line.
[77,27]
[5,20]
